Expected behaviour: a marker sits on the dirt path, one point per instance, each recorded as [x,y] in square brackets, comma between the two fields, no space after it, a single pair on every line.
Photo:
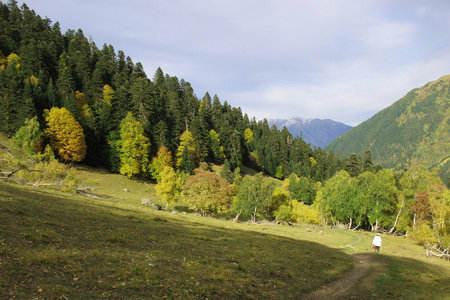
[357,284]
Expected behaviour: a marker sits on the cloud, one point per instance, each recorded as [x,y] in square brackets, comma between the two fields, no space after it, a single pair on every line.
[343,60]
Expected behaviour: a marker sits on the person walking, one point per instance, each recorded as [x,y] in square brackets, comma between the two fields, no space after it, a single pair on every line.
[376,243]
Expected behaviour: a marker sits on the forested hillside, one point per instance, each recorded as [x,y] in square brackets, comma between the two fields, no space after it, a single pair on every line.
[42,69]
[414,130]
[64,101]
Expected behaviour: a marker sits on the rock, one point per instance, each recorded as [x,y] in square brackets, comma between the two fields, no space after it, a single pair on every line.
[150,203]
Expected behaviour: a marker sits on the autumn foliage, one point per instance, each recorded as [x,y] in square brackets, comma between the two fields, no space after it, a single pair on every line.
[133,147]
[65,134]
[207,193]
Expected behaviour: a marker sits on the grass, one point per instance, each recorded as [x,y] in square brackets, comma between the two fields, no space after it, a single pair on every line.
[408,278]
[56,245]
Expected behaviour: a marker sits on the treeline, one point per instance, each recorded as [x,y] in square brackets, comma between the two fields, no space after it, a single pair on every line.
[409,202]
[42,69]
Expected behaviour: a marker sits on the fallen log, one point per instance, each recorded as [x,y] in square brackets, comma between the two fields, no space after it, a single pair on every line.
[433,251]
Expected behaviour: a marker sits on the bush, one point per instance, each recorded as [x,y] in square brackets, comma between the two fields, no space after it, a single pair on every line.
[303,213]
[423,234]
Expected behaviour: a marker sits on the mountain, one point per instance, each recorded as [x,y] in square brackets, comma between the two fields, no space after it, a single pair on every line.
[413,130]
[316,132]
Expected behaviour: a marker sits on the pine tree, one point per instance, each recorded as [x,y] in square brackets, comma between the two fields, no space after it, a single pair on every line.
[142,103]
[187,164]
[217,151]
[226,171]
[13,109]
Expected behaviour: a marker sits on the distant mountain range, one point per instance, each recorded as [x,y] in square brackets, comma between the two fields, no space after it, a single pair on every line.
[413,130]
[317,132]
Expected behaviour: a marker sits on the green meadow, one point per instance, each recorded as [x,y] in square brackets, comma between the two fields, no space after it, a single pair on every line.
[60,245]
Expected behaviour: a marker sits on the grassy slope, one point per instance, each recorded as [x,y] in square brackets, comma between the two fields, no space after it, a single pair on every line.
[55,245]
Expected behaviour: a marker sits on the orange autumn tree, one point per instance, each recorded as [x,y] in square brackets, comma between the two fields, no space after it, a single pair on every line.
[66,135]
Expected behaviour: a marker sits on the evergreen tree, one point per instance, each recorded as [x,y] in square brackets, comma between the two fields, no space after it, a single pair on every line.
[187,163]
[186,151]
[113,151]
[367,161]
[141,92]
[353,166]
[13,108]
[217,152]
[226,171]
[199,129]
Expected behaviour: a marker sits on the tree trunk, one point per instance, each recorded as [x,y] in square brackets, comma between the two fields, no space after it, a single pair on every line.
[254,216]
[396,219]
[357,226]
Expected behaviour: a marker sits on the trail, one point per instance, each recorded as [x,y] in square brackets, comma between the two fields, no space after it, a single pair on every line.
[358,283]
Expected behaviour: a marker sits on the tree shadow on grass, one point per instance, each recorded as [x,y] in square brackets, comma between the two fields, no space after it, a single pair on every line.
[54,245]
[62,245]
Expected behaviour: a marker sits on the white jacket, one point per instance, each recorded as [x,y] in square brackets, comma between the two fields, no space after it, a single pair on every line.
[377,241]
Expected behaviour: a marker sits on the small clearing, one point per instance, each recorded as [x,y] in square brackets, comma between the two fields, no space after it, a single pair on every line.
[358,283]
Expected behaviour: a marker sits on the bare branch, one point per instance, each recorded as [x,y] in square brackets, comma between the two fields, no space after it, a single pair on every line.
[7,150]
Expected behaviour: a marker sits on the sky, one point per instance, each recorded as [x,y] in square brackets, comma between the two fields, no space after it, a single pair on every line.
[343,60]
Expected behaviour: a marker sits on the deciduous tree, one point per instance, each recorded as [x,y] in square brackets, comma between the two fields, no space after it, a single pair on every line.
[134,147]
[163,159]
[207,193]
[254,196]
[29,139]
[169,187]
[66,135]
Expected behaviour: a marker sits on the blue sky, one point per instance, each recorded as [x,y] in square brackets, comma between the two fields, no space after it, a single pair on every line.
[330,59]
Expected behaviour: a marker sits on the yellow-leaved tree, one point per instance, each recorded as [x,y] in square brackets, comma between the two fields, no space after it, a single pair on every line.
[162,159]
[133,147]
[169,186]
[66,135]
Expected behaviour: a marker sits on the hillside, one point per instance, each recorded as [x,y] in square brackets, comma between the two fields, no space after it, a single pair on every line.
[42,69]
[317,132]
[60,245]
[413,130]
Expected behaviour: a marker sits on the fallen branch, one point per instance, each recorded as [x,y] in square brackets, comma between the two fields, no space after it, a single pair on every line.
[7,150]
[229,260]
[148,240]
[432,251]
